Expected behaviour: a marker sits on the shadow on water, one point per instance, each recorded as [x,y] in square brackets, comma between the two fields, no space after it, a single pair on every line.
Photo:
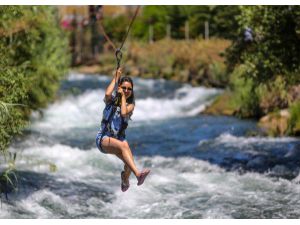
[74,191]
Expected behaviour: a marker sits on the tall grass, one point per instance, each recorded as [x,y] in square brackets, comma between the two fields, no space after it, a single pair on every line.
[8,178]
[294,122]
[195,61]
[3,110]
[245,98]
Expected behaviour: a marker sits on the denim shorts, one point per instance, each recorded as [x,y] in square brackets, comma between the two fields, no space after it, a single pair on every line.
[100,136]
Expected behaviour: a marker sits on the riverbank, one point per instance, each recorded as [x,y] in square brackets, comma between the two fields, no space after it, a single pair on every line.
[198,62]
[273,120]
[273,124]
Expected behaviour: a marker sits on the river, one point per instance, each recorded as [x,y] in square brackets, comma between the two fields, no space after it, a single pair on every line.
[201,166]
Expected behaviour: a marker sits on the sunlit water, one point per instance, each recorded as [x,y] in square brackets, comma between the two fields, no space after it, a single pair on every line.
[201,166]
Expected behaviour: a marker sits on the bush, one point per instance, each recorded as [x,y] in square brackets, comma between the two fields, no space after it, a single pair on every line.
[245,96]
[33,59]
[275,48]
[274,95]
[294,122]
[195,61]
[268,65]
[8,178]
[13,92]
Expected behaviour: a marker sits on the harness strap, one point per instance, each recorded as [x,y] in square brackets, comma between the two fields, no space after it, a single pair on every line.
[105,122]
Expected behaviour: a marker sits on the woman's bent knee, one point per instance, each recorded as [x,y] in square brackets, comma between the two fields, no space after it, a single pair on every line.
[125,147]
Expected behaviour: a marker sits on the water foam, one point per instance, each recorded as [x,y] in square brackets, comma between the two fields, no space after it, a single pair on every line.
[86,109]
[172,191]
[188,101]
[74,76]
[72,112]
[182,187]
[71,163]
[235,141]
[43,204]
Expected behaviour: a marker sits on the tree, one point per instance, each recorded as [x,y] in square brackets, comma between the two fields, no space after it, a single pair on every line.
[223,22]
[275,50]
[155,16]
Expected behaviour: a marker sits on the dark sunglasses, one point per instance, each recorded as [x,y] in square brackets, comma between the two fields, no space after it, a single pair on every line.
[125,88]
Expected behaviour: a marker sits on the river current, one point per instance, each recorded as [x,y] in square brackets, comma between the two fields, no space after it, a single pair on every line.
[201,166]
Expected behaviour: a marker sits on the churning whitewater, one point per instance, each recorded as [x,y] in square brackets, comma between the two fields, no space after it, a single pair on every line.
[201,166]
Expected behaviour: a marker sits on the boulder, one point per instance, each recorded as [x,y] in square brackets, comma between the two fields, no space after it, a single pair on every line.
[283,172]
[275,124]
[221,106]
[258,163]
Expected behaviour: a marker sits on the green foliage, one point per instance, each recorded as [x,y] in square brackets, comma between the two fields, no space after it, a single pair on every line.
[274,95]
[151,15]
[276,47]
[198,15]
[265,69]
[176,17]
[8,178]
[116,27]
[246,97]
[222,21]
[12,91]
[219,77]
[294,122]
[33,59]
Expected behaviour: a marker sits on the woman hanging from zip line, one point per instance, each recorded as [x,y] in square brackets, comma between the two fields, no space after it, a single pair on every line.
[111,138]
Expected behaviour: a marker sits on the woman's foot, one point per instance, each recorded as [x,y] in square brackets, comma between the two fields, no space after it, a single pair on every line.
[142,176]
[124,183]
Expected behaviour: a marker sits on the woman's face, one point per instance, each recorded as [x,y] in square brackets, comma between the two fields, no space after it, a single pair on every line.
[127,89]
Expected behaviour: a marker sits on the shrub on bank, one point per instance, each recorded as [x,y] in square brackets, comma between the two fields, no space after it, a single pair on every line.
[269,52]
[33,59]
[256,100]
[294,122]
[195,61]
[245,94]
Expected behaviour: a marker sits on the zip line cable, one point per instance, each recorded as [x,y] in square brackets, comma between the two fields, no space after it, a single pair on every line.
[118,52]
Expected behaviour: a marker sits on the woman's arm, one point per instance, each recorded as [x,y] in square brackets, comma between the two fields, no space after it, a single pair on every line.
[111,86]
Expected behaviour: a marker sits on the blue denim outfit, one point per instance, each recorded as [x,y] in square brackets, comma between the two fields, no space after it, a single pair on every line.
[113,124]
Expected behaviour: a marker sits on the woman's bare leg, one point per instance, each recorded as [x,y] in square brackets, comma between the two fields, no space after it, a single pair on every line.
[122,150]
[126,167]
[127,170]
